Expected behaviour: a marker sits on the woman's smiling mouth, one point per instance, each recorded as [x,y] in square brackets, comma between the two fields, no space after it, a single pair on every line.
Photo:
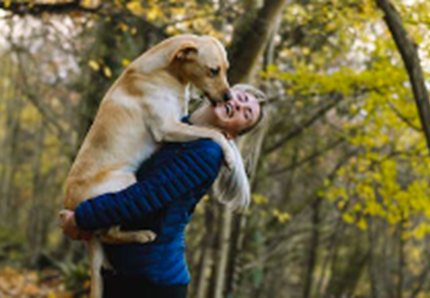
[229,110]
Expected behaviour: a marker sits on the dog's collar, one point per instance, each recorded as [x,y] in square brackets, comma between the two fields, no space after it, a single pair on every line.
[186,119]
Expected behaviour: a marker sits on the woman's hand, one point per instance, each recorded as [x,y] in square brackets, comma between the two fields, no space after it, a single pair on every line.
[68,224]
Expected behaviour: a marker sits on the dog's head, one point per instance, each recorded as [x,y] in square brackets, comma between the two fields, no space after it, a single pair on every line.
[202,61]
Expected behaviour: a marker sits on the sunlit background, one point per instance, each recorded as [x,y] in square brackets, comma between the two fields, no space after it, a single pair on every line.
[340,174]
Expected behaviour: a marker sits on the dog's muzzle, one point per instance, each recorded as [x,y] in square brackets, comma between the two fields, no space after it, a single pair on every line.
[227,96]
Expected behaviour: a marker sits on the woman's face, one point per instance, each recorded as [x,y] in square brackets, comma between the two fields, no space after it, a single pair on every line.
[239,113]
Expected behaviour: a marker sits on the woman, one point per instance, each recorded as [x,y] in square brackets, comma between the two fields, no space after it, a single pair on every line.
[170,184]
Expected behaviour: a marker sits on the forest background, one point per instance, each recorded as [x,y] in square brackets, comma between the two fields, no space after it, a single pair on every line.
[340,178]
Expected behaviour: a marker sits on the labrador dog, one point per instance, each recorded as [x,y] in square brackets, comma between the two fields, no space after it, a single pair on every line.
[143,108]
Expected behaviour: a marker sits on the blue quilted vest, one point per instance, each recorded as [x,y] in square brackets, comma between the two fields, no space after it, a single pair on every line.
[170,184]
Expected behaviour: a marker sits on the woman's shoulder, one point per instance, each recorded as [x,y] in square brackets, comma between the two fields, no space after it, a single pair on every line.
[202,145]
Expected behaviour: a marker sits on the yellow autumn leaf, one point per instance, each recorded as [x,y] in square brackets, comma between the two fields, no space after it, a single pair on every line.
[331,26]
[125,62]
[348,218]
[135,8]
[94,65]
[107,72]
[305,51]
[281,216]
[259,199]
[341,204]
[30,289]
[87,3]
[362,224]
[153,13]
[123,27]
[420,231]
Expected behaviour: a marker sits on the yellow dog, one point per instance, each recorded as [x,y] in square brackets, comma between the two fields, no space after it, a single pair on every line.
[142,108]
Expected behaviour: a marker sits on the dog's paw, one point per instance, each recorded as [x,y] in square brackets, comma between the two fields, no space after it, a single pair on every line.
[229,154]
[145,236]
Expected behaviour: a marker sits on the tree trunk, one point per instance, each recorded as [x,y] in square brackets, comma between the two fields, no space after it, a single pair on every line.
[401,258]
[242,72]
[313,248]
[252,34]
[14,106]
[409,53]
[239,220]
[96,83]
[250,40]
[221,253]
[332,252]
[347,270]
[206,261]
[373,280]
[35,214]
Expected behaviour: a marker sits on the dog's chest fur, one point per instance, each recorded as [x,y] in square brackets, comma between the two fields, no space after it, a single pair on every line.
[146,150]
[156,111]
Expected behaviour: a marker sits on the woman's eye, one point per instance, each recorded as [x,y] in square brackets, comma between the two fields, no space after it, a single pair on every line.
[248,114]
[243,98]
[214,71]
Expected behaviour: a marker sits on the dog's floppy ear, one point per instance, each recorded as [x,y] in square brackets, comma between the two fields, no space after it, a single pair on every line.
[186,52]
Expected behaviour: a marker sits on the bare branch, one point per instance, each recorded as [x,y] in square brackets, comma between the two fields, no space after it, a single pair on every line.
[35,9]
[409,53]
[404,118]
[296,132]
[308,158]
[46,113]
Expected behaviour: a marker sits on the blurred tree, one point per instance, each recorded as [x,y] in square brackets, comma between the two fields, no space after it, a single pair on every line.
[340,188]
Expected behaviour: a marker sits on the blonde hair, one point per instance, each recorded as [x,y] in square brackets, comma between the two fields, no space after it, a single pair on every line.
[234,184]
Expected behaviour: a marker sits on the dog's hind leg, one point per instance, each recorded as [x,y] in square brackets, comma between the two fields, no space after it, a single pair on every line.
[96,261]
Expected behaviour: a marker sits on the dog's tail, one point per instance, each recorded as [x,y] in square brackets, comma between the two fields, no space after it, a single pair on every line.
[232,186]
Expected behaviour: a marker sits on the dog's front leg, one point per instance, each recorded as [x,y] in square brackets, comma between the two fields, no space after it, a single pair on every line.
[182,132]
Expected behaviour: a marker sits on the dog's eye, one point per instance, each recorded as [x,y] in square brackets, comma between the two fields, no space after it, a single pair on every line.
[213,72]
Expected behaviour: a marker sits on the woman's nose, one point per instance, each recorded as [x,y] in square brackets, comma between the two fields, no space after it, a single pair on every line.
[237,106]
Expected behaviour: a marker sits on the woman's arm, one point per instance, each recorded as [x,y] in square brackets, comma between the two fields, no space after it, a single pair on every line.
[189,170]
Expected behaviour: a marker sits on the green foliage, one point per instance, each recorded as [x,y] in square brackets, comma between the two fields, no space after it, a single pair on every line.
[12,247]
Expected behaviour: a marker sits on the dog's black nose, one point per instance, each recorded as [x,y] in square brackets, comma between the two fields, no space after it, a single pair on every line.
[227,96]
